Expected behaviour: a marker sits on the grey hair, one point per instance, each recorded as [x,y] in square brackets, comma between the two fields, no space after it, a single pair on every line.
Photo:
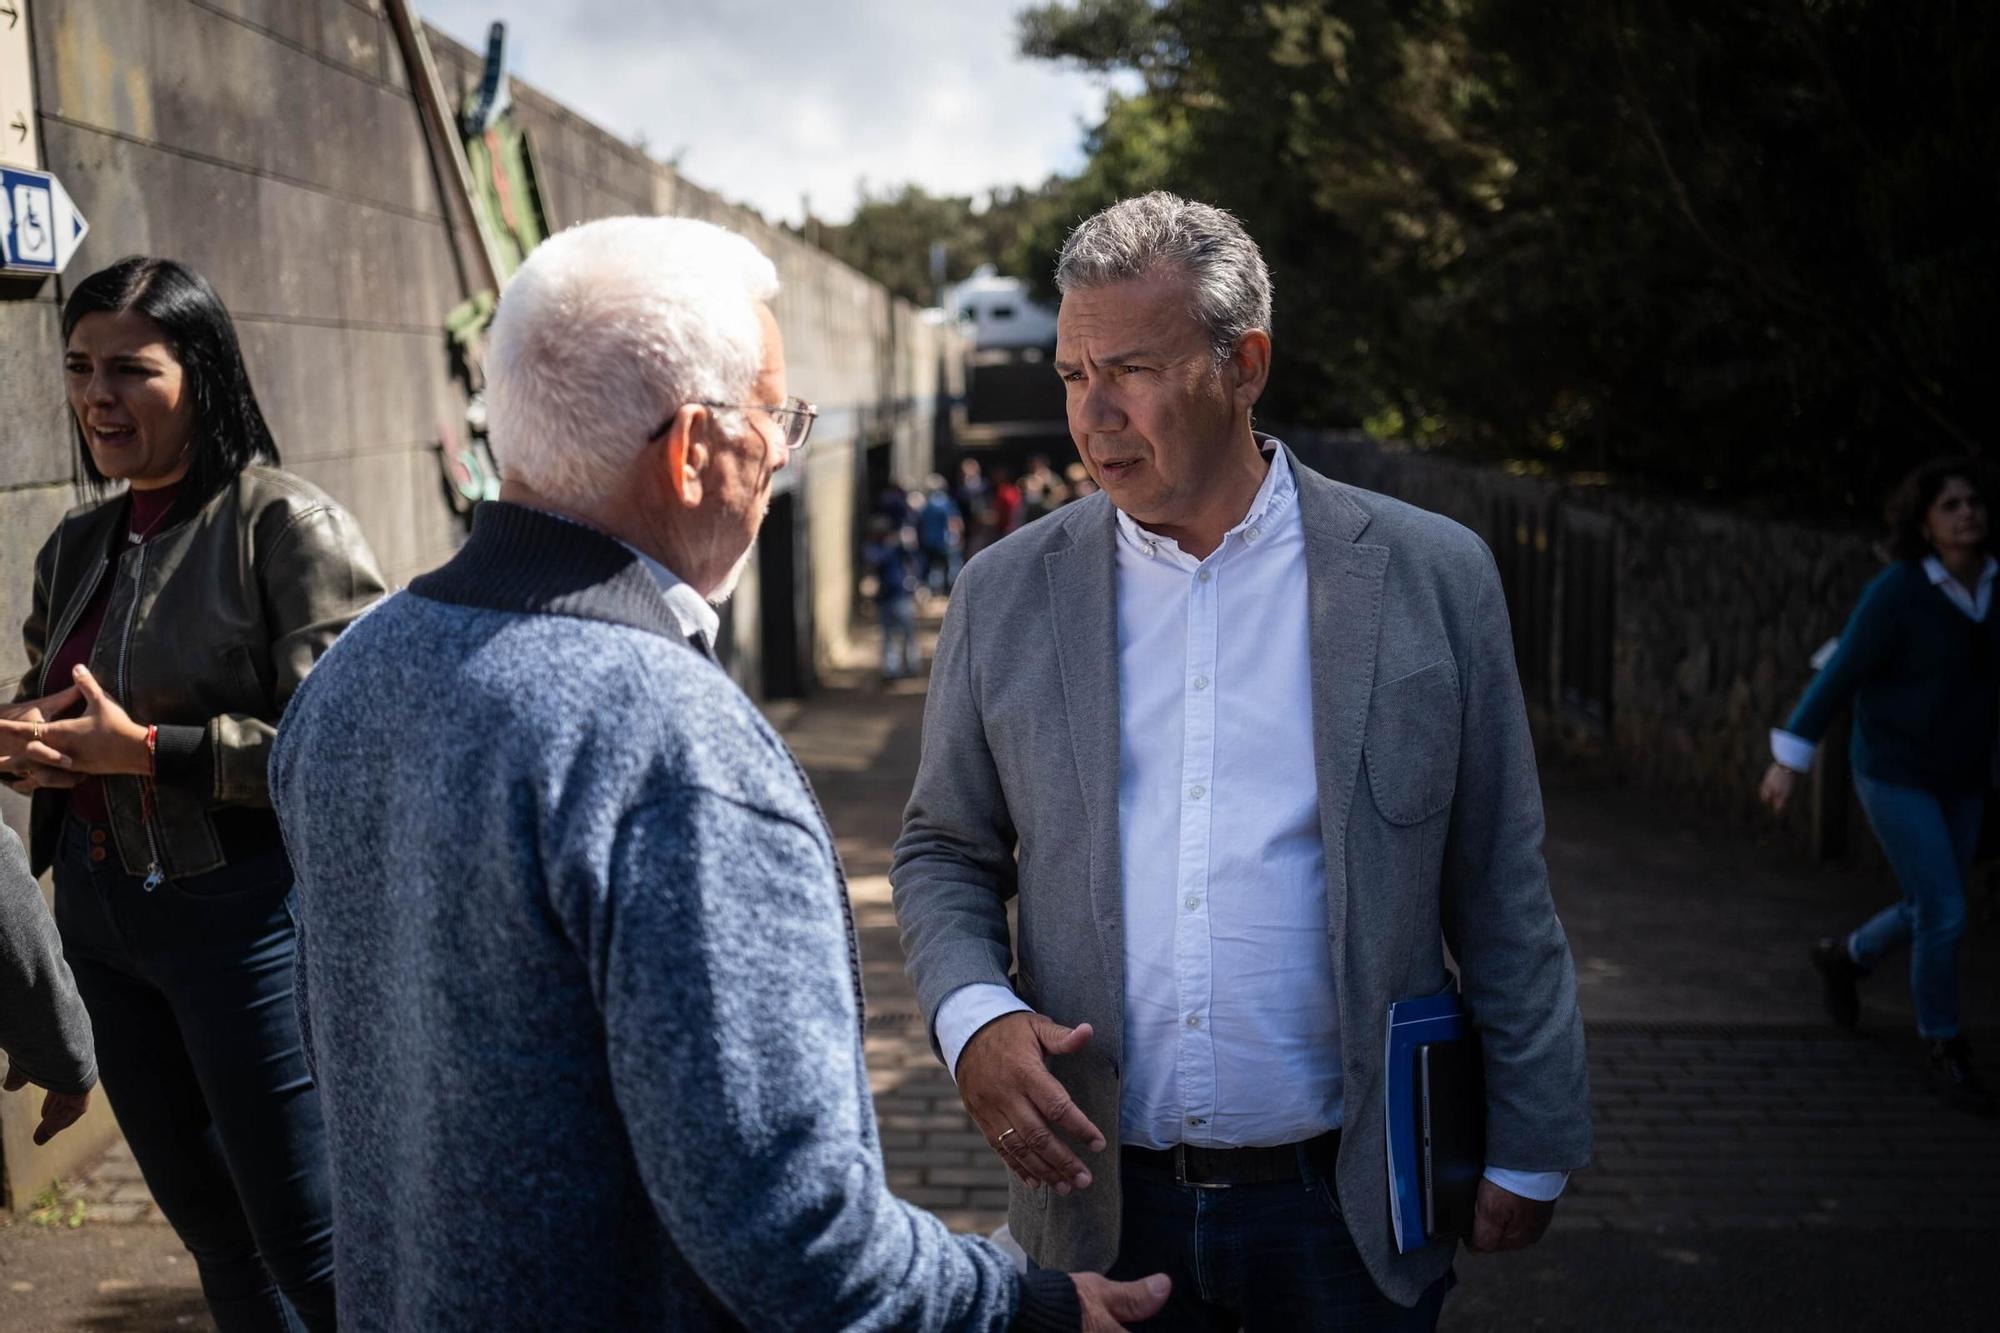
[605,331]
[1231,287]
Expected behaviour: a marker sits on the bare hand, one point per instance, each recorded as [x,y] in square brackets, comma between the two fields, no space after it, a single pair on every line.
[32,778]
[104,740]
[17,748]
[1107,1305]
[1004,1080]
[60,1110]
[1776,788]
[1503,1220]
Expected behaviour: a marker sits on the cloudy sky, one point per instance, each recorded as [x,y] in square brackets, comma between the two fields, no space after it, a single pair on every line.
[766,101]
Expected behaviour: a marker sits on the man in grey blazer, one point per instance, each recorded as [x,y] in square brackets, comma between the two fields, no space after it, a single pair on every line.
[1248,747]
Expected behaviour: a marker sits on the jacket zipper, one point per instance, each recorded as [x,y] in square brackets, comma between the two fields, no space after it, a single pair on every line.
[67,625]
[155,876]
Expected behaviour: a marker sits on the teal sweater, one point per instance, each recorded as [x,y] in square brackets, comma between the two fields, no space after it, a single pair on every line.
[1923,678]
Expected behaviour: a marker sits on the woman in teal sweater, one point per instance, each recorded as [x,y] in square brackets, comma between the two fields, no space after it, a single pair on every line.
[1920,659]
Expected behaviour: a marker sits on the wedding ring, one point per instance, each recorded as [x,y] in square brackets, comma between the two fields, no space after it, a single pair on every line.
[1001,1142]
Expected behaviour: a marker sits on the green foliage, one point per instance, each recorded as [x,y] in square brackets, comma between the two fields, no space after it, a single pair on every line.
[53,1207]
[1721,244]
[890,235]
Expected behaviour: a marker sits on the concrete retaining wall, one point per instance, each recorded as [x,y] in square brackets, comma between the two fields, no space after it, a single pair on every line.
[275,146]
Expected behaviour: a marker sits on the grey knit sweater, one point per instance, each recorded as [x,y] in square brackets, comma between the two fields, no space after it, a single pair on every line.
[43,1027]
[577,978]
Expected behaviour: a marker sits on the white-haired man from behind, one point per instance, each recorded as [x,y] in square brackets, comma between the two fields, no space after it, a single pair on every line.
[577,970]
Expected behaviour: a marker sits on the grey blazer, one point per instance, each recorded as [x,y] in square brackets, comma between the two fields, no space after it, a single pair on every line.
[1429,807]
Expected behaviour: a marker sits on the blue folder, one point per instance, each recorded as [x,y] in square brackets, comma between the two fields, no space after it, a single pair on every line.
[1413,1024]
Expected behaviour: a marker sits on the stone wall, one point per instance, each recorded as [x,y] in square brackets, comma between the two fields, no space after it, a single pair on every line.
[276,147]
[1713,618]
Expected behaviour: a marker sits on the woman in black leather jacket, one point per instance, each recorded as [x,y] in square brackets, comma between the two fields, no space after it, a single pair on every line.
[171,621]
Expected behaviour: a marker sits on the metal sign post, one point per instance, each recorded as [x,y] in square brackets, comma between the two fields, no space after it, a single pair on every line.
[39,226]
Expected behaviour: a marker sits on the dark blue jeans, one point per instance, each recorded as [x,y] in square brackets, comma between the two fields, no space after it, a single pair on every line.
[189,989]
[1930,840]
[1268,1258]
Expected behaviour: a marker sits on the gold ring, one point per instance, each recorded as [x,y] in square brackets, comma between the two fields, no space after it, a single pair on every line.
[37,733]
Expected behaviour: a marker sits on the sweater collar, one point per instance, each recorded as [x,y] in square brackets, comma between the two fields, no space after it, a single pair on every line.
[523,560]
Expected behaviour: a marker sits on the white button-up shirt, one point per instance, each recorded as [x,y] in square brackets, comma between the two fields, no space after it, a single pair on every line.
[1232,1024]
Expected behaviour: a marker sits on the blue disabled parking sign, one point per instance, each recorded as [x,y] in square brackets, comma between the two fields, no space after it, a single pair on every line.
[39,226]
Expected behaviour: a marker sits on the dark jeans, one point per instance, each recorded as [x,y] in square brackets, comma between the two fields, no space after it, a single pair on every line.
[189,989]
[1268,1258]
[1930,840]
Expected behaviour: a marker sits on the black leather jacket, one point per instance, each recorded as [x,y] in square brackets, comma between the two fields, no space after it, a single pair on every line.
[211,626]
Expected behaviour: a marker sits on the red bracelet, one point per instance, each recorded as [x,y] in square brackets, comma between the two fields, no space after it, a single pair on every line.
[152,750]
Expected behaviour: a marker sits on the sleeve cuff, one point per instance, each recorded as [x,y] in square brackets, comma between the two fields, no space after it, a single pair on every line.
[1794,752]
[75,1085]
[182,757]
[1541,1186]
[968,1009]
[1049,1303]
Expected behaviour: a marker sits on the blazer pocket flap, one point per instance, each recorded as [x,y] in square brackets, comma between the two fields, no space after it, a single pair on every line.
[1411,745]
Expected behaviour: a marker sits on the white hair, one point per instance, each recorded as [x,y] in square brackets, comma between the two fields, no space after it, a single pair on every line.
[604,333]
[1230,286]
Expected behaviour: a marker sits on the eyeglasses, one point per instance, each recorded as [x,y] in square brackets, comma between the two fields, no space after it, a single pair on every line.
[795,416]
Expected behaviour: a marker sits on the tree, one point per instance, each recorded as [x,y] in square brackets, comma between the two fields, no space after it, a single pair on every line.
[891,234]
[1742,245]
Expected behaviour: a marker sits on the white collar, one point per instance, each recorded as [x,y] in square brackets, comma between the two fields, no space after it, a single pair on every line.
[691,610]
[1274,494]
[1939,575]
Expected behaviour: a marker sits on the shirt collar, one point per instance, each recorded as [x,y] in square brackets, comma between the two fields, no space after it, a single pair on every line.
[1939,576]
[690,609]
[1273,497]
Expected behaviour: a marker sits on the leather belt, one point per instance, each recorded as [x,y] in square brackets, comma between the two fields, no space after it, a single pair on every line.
[1220,1168]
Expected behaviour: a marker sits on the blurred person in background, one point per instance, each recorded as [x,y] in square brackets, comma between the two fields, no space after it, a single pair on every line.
[1006,503]
[183,610]
[1080,484]
[940,536]
[1042,491]
[974,494]
[891,559]
[1920,660]
[893,503]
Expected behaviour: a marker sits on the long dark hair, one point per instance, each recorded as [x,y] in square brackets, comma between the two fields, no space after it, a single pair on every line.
[1911,502]
[229,431]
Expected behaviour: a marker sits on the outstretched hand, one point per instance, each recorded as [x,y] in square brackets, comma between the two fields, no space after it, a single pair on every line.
[1005,1083]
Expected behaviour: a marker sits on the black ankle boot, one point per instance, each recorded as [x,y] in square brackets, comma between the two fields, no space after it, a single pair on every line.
[1953,1079]
[1837,975]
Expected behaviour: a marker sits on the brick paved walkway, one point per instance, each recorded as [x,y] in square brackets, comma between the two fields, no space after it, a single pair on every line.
[1718,1124]
[1723,1128]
